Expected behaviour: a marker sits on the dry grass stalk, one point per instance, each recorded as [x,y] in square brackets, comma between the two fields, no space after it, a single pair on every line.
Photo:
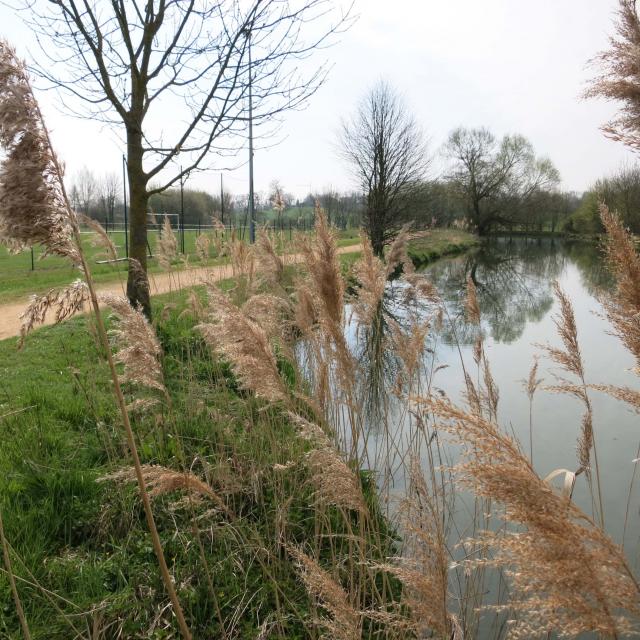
[421,288]
[270,312]
[305,314]
[409,346]
[310,431]
[335,482]
[423,569]
[34,210]
[570,359]
[472,396]
[12,582]
[623,306]
[322,261]
[64,302]
[194,307]
[566,573]
[160,481]
[624,394]
[397,253]
[38,209]
[472,308]
[345,622]
[371,275]
[139,276]
[321,294]
[203,244]
[101,237]
[269,265]
[167,248]
[278,202]
[242,259]
[218,235]
[491,391]
[620,76]
[138,346]
[532,383]
[246,345]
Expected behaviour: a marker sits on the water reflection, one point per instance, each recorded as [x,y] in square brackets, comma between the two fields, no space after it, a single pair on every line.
[514,281]
[513,278]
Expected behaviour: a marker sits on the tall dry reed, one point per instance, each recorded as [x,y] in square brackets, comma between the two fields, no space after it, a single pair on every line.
[570,359]
[36,210]
[566,574]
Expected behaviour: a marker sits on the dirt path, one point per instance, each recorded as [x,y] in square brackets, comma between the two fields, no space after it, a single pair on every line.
[159,282]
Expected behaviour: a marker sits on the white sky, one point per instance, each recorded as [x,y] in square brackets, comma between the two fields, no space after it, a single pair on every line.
[509,65]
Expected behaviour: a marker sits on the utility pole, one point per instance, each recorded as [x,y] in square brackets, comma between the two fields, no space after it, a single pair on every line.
[181,210]
[124,198]
[221,201]
[252,222]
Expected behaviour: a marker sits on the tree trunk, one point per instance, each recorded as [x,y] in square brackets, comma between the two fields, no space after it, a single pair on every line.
[137,288]
[376,235]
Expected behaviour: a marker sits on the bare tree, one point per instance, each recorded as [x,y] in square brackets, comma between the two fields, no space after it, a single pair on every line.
[109,188]
[495,178]
[386,150]
[132,64]
[86,189]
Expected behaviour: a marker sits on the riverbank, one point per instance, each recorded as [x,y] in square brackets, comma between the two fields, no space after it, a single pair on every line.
[438,243]
[74,520]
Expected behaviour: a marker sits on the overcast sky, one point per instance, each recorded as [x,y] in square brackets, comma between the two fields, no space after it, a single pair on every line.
[508,65]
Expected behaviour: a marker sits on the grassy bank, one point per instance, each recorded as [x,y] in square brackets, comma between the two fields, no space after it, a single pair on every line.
[437,243]
[80,544]
[270,458]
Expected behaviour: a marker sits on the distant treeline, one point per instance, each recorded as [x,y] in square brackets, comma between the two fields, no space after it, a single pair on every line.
[621,193]
[440,202]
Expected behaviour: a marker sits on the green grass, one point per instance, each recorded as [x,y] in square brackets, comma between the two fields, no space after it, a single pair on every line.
[85,543]
[18,279]
[438,243]
[81,546]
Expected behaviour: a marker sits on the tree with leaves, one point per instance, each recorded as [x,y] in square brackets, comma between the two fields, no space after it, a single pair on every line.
[496,178]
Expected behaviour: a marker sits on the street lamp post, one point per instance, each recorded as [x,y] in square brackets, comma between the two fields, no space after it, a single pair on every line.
[252,222]
[181,210]
[221,201]
[124,194]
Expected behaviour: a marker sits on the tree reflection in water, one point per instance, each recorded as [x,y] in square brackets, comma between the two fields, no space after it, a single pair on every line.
[514,278]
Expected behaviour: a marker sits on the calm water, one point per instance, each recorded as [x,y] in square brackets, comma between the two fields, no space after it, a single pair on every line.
[515,292]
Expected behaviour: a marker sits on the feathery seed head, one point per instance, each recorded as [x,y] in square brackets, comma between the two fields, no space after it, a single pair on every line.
[138,346]
[371,275]
[345,622]
[246,345]
[623,306]
[566,574]
[472,307]
[34,209]
[167,248]
[66,302]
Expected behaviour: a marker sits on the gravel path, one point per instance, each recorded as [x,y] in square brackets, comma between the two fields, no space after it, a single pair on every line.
[159,282]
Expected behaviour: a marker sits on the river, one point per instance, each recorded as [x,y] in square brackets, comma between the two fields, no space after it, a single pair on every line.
[514,279]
